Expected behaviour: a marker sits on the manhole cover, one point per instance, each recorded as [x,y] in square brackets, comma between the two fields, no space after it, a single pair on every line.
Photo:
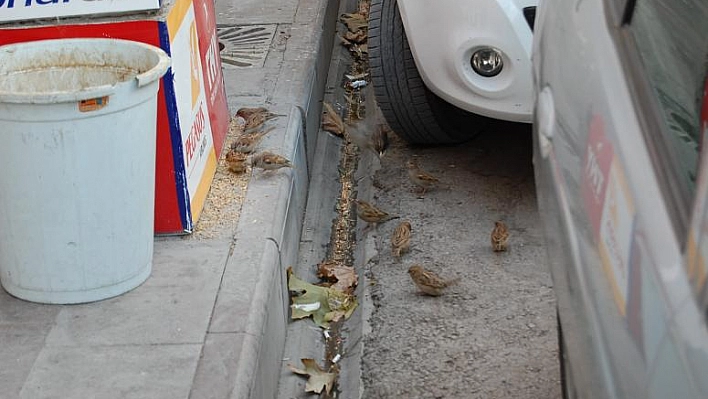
[244,46]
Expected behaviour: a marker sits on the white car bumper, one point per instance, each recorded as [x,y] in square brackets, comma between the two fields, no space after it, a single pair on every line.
[444,34]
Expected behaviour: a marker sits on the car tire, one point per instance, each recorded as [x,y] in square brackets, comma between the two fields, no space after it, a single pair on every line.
[412,111]
[567,386]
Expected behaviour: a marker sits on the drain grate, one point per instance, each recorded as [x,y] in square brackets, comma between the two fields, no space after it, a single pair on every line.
[244,46]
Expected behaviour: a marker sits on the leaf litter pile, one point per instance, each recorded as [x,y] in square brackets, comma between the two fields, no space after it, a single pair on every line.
[332,301]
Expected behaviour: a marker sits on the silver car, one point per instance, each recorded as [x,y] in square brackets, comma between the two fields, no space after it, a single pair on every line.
[620,119]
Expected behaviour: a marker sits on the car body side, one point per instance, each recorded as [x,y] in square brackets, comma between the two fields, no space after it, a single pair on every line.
[622,274]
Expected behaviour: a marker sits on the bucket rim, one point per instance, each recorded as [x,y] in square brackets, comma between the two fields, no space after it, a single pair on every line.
[142,79]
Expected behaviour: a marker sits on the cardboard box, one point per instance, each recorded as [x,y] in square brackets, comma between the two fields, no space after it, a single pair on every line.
[193,115]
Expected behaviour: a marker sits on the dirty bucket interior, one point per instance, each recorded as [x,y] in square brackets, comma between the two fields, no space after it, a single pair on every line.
[60,66]
[65,78]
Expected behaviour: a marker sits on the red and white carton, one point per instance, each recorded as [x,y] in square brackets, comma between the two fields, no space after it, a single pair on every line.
[193,115]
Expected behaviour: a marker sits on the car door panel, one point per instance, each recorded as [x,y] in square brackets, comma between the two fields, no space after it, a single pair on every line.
[603,203]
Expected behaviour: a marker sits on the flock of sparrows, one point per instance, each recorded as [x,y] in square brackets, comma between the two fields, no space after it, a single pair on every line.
[245,144]
[427,281]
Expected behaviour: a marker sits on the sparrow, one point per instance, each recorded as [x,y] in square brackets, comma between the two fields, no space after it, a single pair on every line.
[247,113]
[236,161]
[255,121]
[379,141]
[371,214]
[247,143]
[401,239]
[428,282]
[331,121]
[419,177]
[269,161]
[500,237]
[374,122]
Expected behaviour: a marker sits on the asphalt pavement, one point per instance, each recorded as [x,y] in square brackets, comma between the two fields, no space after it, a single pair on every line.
[210,321]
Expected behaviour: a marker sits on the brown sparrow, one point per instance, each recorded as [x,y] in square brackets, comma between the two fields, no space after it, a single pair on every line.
[255,122]
[376,142]
[419,177]
[331,121]
[373,122]
[427,281]
[236,161]
[371,214]
[247,143]
[401,239]
[269,161]
[379,141]
[247,113]
[500,237]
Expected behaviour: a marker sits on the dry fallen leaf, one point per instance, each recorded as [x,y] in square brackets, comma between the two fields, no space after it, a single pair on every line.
[318,379]
[322,303]
[354,21]
[346,43]
[325,270]
[344,277]
[358,51]
[363,9]
[331,121]
[356,37]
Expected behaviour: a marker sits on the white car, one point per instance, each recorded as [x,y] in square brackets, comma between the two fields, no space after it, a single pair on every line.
[442,70]
[622,183]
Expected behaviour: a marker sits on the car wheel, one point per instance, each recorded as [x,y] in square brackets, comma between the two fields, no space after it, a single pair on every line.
[411,110]
[567,386]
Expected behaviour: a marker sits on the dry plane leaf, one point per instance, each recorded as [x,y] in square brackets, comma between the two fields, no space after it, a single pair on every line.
[318,379]
[344,277]
[358,76]
[363,9]
[331,121]
[354,21]
[325,270]
[322,303]
[358,51]
[356,37]
[346,43]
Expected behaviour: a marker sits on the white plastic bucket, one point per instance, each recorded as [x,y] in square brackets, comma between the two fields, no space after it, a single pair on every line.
[77,167]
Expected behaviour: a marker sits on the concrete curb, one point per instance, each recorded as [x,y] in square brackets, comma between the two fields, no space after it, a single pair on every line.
[265,323]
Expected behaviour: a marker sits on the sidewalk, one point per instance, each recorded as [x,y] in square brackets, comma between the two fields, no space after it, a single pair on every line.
[210,322]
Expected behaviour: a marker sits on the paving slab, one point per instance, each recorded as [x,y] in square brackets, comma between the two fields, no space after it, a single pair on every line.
[113,372]
[173,306]
[255,11]
[21,345]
